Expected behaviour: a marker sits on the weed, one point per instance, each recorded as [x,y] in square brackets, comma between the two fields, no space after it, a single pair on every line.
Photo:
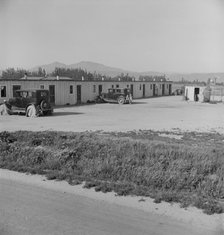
[189,170]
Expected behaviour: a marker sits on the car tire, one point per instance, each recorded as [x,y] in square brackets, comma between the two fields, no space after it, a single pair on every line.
[120,100]
[43,105]
[31,111]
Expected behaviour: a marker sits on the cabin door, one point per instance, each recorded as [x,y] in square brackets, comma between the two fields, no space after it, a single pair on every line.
[143,91]
[163,89]
[132,90]
[79,94]
[52,93]
[100,89]
[154,89]
[170,89]
[196,93]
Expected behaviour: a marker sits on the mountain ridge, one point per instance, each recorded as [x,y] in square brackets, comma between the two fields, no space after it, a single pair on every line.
[113,71]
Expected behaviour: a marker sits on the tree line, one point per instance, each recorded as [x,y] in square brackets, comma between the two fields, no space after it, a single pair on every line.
[74,74]
[12,73]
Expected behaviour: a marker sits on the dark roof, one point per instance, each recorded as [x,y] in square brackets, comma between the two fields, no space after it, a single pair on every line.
[32,89]
[46,78]
[94,81]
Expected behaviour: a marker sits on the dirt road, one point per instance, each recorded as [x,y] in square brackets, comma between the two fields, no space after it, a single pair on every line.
[29,207]
[163,113]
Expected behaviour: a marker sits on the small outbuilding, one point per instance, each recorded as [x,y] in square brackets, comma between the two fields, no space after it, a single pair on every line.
[194,93]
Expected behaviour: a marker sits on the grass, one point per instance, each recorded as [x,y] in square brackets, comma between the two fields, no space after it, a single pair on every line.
[189,170]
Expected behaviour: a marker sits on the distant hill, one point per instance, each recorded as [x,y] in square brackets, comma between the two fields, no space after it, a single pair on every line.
[93,67]
[112,72]
[202,77]
[96,67]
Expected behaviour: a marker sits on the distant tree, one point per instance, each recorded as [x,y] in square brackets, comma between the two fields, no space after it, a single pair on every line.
[123,77]
[41,72]
[44,73]
[12,73]
[77,74]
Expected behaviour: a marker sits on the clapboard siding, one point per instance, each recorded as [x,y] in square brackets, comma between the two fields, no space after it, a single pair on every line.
[62,88]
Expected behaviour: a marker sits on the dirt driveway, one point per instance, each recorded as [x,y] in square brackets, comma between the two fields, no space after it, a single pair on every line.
[163,113]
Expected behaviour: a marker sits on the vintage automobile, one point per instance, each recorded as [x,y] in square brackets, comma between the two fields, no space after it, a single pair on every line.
[117,95]
[178,91]
[34,102]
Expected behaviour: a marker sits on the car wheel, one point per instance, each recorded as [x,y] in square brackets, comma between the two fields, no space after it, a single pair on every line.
[43,104]
[120,100]
[7,108]
[31,111]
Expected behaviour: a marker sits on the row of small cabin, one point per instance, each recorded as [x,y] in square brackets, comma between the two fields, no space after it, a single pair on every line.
[66,91]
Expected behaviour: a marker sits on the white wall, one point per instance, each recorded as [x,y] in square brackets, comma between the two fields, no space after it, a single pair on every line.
[189,92]
[62,89]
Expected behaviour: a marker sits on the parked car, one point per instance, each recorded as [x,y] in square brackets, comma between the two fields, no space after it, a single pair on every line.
[34,102]
[117,95]
[178,92]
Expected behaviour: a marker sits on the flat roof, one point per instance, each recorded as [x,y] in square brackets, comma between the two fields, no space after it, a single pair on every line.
[32,89]
[71,80]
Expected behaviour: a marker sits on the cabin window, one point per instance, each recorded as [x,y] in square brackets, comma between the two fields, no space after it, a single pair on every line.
[71,89]
[41,86]
[117,85]
[94,88]
[3,91]
[127,86]
[140,86]
[151,86]
[112,86]
[14,89]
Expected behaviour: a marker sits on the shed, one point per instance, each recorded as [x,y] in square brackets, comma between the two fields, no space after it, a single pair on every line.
[194,93]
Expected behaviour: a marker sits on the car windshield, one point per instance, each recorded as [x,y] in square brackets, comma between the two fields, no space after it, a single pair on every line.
[119,90]
[25,94]
[43,93]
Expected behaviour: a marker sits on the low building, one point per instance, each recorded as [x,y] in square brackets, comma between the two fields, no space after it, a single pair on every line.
[67,91]
[194,93]
[209,93]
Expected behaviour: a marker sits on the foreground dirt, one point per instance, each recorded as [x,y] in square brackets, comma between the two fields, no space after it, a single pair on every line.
[32,205]
[163,113]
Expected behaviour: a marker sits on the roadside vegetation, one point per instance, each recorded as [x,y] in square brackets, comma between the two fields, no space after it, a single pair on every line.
[187,168]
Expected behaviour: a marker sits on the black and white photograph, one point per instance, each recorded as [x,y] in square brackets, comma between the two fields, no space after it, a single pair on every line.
[112,117]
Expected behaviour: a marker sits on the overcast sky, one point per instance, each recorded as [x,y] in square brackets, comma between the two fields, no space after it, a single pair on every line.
[138,35]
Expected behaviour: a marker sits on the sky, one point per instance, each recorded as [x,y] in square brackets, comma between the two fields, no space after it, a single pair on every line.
[138,35]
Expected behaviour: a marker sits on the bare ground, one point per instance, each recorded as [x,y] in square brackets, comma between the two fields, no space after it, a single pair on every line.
[29,207]
[164,113]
